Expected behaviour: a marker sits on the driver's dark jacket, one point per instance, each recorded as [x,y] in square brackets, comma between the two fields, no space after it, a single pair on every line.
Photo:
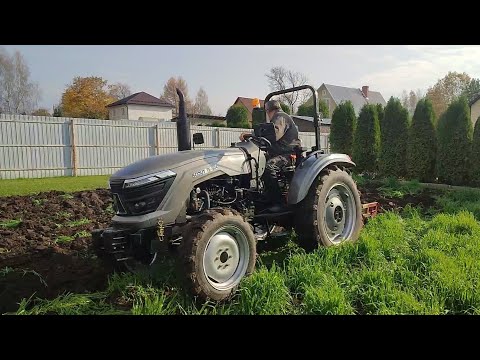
[286,134]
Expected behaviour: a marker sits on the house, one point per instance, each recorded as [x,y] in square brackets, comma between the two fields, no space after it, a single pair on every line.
[475,108]
[140,106]
[247,103]
[305,124]
[333,95]
[198,119]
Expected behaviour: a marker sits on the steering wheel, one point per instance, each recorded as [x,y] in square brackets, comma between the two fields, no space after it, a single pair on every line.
[260,141]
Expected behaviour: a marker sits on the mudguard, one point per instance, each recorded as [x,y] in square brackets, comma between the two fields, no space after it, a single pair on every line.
[308,171]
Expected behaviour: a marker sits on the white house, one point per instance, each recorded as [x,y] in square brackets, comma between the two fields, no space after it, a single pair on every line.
[140,106]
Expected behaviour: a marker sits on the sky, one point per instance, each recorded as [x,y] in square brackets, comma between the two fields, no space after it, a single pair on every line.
[229,71]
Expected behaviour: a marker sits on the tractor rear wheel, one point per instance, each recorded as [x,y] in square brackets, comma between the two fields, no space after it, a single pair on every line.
[331,213]
[217,251]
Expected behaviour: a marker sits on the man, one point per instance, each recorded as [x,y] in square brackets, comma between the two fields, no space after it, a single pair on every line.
[286,136]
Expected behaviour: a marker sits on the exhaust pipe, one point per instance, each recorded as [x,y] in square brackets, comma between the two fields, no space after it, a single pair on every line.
[183,125]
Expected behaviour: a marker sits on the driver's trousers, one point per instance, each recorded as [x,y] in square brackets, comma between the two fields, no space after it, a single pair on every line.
[270,177]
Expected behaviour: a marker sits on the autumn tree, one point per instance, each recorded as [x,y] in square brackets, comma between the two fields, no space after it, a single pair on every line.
[475,165]
[422,143]
[366,141]
[18,93]
[201,103]
[170,94]
[237,117]
[41,112]
[393,135]
[342,128]
[86,97]
[280,78]
[119,90]
[447,90]
[454,143]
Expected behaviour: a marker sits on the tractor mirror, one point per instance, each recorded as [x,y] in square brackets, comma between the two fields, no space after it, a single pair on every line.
[198,138]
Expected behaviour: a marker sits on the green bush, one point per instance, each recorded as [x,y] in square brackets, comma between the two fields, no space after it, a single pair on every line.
[285,108]
[394,134]
[366,142]
[475,169]
[342,128]
[454,143]
[422,143]
[237,117]
[307,110]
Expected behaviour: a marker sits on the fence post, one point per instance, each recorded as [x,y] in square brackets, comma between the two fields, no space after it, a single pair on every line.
[74,147]
[218,136]
[157,141]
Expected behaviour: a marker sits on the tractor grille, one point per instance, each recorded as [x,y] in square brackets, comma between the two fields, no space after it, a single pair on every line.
[139,200]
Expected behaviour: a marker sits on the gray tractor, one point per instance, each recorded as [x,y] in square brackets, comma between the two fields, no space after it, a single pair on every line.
[208,206]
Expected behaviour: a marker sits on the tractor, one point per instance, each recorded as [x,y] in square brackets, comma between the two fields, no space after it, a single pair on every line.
[207,207]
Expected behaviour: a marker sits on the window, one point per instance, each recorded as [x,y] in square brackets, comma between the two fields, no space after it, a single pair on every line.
[324,92]
[325,100]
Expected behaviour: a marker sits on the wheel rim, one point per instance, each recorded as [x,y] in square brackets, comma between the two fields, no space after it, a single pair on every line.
[226,257]
[340,213]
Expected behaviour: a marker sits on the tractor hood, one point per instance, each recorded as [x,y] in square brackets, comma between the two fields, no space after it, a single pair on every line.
[171,161]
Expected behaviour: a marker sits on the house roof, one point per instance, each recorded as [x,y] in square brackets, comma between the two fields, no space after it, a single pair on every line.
[341,93]
[200,116]
[247,102]
[141,98]
[475,99]
[310,118]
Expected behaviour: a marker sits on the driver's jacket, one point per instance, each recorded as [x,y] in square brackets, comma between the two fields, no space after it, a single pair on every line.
[286,134]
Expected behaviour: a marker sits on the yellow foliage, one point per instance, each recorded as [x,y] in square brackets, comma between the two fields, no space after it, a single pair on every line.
[86,97]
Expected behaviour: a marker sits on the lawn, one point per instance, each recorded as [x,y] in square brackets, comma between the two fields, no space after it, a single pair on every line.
[67,184]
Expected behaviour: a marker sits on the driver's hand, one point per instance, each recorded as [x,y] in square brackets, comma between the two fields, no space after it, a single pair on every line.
[242,135]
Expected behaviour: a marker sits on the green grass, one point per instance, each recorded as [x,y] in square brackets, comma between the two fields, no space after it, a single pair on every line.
[82,234]
[454,201]
[66,184]
[62,239]
[393,188]
[76,223]
[10,224]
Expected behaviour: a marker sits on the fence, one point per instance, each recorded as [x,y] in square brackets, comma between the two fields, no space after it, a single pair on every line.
[39,146]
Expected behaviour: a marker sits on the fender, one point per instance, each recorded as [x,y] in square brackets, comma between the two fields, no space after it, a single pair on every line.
[308,171]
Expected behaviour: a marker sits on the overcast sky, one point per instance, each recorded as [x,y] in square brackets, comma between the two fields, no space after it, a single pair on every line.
[229,71]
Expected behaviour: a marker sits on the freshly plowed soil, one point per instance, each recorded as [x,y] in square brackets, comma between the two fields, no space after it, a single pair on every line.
[49,252]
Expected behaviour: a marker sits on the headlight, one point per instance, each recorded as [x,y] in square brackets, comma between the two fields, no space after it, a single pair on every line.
[143,180]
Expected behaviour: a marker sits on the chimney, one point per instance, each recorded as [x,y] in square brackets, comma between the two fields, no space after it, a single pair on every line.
[365,91]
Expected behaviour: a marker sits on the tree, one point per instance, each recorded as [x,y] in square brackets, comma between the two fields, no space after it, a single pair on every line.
[409,100]
[308,110]
[454,143]
[342,128]
[394,135]
[41,112]
[447,90]
[475,168]
[472,90]
[119,90]
[201,103]
[366,141]
[237,117]
[422,143]
[380,114]
[217,124]
[18,94]
[86,97]
[280,78]
[170,94]
[285,108]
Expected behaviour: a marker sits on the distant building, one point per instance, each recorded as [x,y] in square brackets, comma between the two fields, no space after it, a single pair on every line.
[305,124]
[199,119]
[247,103]
[475,109]
[140,106]
[333,95]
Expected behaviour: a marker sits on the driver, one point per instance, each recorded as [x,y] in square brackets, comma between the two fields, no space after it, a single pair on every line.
[286,136]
